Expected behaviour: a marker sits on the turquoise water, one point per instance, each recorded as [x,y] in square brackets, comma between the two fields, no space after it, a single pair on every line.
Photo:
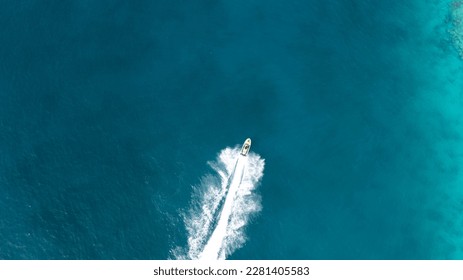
[110,111]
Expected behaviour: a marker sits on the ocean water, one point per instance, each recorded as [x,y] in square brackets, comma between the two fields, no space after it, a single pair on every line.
[115,117]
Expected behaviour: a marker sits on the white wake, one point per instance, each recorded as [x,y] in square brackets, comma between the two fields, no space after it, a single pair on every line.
[222,206]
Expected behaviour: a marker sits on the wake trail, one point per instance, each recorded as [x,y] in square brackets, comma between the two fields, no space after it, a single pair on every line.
[213,248]
[221,206]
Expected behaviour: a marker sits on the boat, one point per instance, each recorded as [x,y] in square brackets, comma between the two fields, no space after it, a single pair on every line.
[246,147]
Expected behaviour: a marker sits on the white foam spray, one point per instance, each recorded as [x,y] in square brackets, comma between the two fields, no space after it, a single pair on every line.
[222,206]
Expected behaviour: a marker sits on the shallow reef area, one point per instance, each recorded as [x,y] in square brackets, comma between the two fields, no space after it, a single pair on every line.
[456,31]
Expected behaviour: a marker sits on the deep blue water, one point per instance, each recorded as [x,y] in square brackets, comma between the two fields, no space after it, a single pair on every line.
[109,112]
